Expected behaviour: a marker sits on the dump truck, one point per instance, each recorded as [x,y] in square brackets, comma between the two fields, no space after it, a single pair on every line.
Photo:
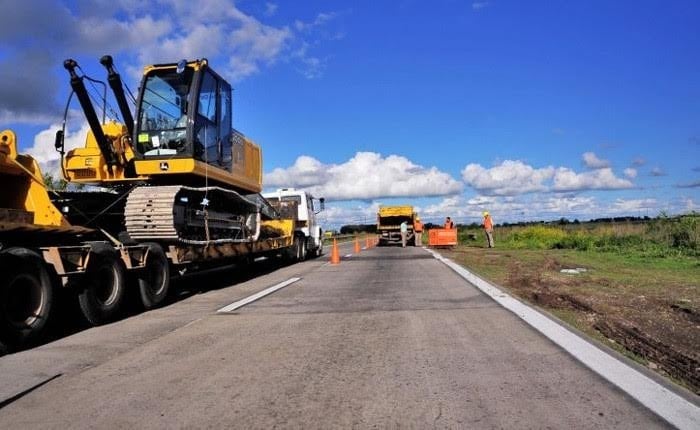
[389,219]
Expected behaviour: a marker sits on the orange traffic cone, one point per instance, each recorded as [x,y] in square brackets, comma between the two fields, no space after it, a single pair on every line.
[335,255]
[357,245]
[367,245]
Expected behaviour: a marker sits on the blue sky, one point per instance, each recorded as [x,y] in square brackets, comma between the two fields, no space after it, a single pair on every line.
[531,110]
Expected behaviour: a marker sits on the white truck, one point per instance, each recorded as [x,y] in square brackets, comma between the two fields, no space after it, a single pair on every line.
[301,205]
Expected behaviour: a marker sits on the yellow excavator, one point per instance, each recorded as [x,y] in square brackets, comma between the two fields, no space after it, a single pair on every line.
[180,178]
[184,173]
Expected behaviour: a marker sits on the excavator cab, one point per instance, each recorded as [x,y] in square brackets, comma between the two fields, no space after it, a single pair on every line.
[193,178]
[184,127]
[185,111]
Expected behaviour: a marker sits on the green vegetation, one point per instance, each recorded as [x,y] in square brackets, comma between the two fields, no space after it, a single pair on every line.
[60,184]
[661,237]
[54,184]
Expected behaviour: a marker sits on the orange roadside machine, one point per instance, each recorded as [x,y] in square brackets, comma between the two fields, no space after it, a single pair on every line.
[442,237]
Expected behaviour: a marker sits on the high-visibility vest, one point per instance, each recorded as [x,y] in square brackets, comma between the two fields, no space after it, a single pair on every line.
[417,226]
[488,224]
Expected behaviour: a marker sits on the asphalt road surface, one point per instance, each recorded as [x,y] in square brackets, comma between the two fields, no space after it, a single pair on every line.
[388,338]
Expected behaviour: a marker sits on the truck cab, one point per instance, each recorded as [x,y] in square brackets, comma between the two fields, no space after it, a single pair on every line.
[302,206]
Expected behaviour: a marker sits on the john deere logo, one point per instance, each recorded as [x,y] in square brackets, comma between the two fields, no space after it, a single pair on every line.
[164,166]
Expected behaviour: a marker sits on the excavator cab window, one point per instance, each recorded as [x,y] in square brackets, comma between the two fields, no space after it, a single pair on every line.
[205,123]
[225,128]
[186,114]
[162,121]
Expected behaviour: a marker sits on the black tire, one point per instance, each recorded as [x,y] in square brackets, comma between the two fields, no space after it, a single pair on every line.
[292,253]
[26,296]
[154,280]
[102,289]
[319,250]
[303,249]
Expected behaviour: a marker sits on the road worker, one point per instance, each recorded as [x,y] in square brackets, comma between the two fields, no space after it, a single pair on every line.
[418,231]
[488,229]
[449,225]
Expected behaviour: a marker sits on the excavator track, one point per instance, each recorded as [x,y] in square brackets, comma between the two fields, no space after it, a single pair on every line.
[149,214]
[190,215]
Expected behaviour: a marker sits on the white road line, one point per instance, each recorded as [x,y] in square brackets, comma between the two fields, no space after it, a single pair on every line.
[348,256]
[233,306]
[660,400]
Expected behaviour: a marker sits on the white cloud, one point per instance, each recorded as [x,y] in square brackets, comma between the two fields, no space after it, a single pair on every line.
[312,67]
[531,207]
[337,215]
[510,209]
[320,20]
[305,172]
[566,179]
[638,162]
[543,208]
[567,205]
[508,178]
[657,171]
[255,44]
[593,162]
[633,206]
[270,9]
[689,205]
[366,176]
[43,147]
[630,172]
[515,177]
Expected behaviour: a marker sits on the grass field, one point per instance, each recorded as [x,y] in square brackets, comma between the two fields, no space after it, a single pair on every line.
[639,291]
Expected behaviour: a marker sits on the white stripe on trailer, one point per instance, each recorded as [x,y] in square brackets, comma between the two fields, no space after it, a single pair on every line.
[659,399]
[233,306]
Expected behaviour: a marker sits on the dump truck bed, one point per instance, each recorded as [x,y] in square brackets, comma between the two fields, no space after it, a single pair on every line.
[395,211]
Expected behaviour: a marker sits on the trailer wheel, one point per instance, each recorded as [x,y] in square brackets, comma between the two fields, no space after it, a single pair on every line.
[26,296]
[103,288]
[154,281]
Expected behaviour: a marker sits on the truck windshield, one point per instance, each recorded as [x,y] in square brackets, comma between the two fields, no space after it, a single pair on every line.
[296,199]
